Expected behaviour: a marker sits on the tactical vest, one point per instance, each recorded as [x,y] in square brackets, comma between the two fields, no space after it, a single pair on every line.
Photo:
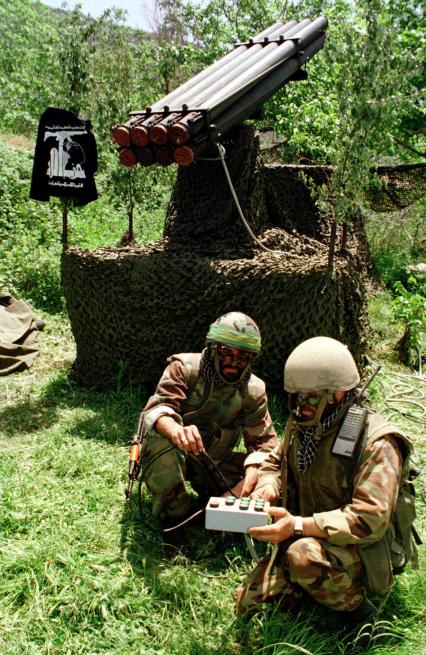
[221,429]
[328,485]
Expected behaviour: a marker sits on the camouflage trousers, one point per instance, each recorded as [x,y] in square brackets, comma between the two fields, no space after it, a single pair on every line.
[166,476]
[328,574]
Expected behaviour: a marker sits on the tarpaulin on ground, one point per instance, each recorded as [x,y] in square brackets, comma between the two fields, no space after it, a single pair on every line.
[18,335]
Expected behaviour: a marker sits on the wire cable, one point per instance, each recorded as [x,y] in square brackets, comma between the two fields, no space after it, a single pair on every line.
[221,150]
[406,394]
[160,454]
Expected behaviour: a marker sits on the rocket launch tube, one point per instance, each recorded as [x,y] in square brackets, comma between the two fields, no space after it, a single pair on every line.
[229,70]
[185,91]
[187,127]
[266,88]
[170,97]
[216,80]
[267,63]
[226,90]
[225,75]
[249,102]
[252,60]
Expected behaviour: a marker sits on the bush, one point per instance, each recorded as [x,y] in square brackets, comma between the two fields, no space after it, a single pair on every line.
[30,235]
[409,306]
[30,231]
[397,240]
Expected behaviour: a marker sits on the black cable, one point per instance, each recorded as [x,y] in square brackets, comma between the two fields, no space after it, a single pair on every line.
[163,452]
[211,461]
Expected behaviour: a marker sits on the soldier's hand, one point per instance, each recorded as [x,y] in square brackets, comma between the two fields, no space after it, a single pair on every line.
[280,530]
[236,490]
[250,479]
[265,493]
[194,440]
[188,439]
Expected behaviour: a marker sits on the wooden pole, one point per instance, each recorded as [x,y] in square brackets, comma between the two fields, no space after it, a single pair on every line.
[332,246]
[131,205]
[344,239]
[65,204]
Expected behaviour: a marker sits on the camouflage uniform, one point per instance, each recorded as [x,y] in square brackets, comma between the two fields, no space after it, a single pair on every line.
[224,413]
[353,507]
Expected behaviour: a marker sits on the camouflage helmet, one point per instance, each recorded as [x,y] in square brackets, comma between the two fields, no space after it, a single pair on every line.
[235,330]
[320,364]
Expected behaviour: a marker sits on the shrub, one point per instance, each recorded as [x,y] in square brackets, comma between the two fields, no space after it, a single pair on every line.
[409,306]
[396,241]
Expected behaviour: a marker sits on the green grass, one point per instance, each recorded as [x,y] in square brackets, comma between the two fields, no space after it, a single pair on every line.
[82,575]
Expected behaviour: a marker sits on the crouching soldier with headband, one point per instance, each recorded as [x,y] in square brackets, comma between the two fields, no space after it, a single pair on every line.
[207,403]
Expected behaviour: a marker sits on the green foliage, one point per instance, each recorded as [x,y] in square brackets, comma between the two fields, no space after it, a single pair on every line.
[169,58]
[78,42]
[409,306]
[381,317]
[368,88]
[30,269]
[397,241]
[115,68]
[29,235]
[93,66]
[216,24]
[29,64]
[392,266]
[30,231]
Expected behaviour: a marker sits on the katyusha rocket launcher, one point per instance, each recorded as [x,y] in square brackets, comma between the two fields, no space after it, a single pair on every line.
[182,125]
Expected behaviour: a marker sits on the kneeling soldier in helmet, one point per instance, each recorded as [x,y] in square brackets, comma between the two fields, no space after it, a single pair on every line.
[207,402]
[340,481]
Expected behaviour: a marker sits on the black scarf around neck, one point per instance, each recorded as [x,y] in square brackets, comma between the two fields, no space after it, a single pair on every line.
[308,446]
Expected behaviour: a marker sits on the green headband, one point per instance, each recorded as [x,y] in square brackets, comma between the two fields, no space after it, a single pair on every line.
[241,340]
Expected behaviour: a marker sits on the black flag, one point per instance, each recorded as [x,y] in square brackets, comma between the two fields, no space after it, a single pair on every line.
[65,158]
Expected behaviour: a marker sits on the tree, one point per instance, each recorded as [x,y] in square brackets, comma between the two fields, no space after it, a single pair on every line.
[29,65]
[172,55]
[372,81]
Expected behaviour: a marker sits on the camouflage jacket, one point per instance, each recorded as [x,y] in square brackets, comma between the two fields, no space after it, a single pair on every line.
[352,507]
[229,413]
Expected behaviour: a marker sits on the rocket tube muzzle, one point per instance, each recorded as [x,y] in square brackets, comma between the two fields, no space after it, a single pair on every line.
[139,136]
[121,135]
[127,157]
[158,134]
[163,155]
[179,134]
[184,155]
[145,156]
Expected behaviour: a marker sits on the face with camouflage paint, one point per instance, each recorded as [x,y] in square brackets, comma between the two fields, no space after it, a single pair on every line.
[232,362]
[308,402]
[235,340]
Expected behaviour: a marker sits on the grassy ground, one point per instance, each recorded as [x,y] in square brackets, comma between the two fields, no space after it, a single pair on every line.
[82,575]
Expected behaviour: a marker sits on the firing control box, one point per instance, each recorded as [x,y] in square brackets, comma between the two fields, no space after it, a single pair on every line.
[232,514]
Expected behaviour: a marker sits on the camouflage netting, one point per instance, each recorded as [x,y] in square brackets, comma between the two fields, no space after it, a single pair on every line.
[398,186]
[132,307]
[401,186]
